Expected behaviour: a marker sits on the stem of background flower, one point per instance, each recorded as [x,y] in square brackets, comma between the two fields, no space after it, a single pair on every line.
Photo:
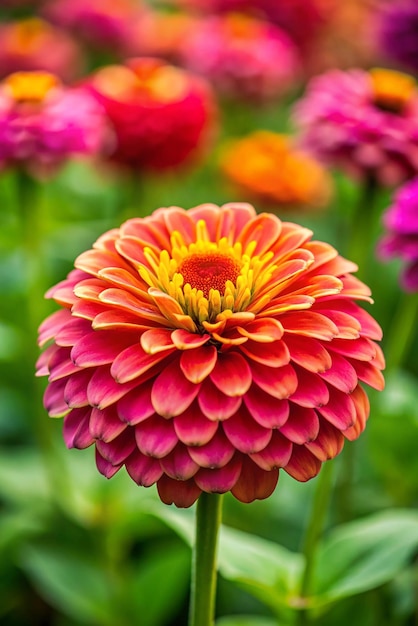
[402,331]
[362,227]
[133,196]
[203,583]
[313,533]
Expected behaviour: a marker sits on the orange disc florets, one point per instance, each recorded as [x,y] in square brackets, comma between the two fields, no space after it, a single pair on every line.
[209,271]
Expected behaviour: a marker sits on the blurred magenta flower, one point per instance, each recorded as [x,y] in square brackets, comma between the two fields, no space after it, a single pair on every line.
[205,349]
[365,122]
[401,240]
[26,45]
[397,33]
[43,123]
[243,57]
[104,24]
[269,169]
[163,116]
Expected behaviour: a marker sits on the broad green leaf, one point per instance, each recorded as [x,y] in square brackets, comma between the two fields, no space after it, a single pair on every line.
[365,554]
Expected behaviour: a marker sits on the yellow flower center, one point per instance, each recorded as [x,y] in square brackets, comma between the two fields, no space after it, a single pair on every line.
[392,90]
[241,26]
[209,271]
[27,36]
[30,86]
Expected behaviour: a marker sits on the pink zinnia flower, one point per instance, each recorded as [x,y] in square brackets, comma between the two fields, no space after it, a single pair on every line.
[243,57]
[43,123]
[26,45]
[364,122]
[205,349]
[401,240]
[162,115]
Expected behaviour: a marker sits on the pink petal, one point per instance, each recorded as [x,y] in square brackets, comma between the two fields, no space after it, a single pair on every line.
[311,391]
[303,465]
[348,326]
[362,349]
[340,410]
[219,480]
[107,469]
[172,393]
[279,382]
[266,410]
[179,464]
[193,428]
[362,406]
[103,390]
[60,366]
[136,406]
[341,374]
[328,444]
[246,434]
[216,405]
[178,219]
[302,424]
[309,353]
[134,362]
[265,229]
[184,340]
[156,436]
[106,425]
[156,340]
[254,483]
[53,325]
[216,453]
[54,398]
[232,374]
[100,348]
[181,493]
[76,429]
[263,330]
[197,364]
[76,388]
[118,450]
[309,324]
[276,453]
[369,374]
[274,354]
[144,470]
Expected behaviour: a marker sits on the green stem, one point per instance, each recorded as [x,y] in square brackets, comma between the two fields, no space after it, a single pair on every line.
[203,584]
[314,531]
[362,227]
[402,331]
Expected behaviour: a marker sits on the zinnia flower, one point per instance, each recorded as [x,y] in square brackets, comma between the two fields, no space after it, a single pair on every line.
[398,33]
[242,57]
[26,45]
[162,115]
[401,240]
[205,349]
[364,122]
[43,123]
[265,166]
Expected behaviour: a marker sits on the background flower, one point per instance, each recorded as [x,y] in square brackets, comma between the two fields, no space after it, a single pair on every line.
[401,240]
[397,33]
[364,122]
[251,356]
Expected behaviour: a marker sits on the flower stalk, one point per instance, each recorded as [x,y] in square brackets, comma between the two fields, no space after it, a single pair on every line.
[203,583]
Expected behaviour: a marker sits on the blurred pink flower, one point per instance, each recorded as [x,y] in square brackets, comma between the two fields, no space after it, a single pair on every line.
[243,57]
[205,349]
[163,116]
[26,45]
[43,123]
[365,122]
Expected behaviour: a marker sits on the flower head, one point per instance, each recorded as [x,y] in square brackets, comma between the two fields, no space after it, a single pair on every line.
[205,349]
[401,240]
[26,45]
[43,123]
[162,115]
[243,57]
[397,27]
[269,169]
[365,122]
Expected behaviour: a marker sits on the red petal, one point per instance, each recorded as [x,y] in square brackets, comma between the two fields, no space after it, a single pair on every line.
[76,429]
[303,465]
[275,354]
[362,406]
[302,425]
[309,324]
[254,483]
[263,330]
[100,348]
[265,229]
[369,374]
[155,436]
[134,362]
[179,464]
[311,391]
[156,340]
[184,340]
[136,406]
[266,410]
[328,444]
[105,425]
[181,493]
[193,428]
[118,450]
[216,405]
[276,453]
[76,389]
[197,364]
[216,453]
[279,382]
[219,480]
[348,326]
[103,390]
[362,349]
[144,470]
[107,469]
[54,398]
[54,324]
[171,392]
[341,374]
[340,410]
[232,374]
[245,433]
[309,353]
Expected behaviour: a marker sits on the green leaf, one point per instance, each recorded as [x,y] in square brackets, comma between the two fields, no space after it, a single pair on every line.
[365,554]
[246,620]
[71,582]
